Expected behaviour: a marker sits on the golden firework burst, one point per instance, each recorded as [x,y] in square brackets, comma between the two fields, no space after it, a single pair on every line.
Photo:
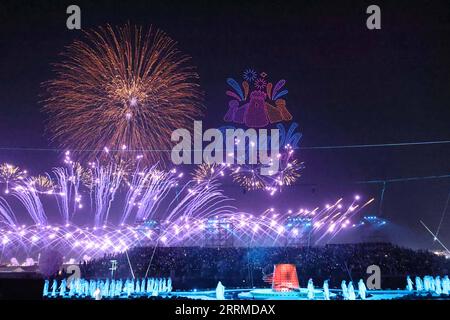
[42,183]
[207,172]
[290,174]
[10,174]
[122,90]
[249,178]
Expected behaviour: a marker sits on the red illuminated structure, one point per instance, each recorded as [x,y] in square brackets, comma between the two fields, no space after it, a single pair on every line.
[284,278]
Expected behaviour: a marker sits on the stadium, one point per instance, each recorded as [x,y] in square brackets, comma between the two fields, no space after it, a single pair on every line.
[254,152]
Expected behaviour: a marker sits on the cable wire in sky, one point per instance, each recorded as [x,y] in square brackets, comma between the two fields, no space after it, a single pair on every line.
[352,146]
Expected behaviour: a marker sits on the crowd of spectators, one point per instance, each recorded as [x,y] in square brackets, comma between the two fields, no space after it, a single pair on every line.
[203,267]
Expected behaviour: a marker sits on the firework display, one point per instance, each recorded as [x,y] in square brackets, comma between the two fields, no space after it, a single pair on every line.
[268,229]
[250,178]
[42,183]
[150,207]
[122,89]
[118,94]
[207,172]
[153,153]
[10,174]
[147,194]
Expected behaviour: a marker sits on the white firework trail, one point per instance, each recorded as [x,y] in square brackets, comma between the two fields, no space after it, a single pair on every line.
[68,181]
[199,200]
[7,216]
[63,194]
[29,196]
[106,180]
[334,218]
[157,185]
[146,187]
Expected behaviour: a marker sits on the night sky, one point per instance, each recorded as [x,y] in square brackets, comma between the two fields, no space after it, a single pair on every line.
[347,85]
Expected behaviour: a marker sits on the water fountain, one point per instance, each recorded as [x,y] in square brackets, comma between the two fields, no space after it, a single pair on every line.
[283,287]
[98,294]
[438,286]
[143,289]
[419,284]
[310,289]
[54,288]
[426,283]
[105,288]
[72,288]
[446,285]
[220,291]
[351,291]
[326,290]
[138,287]
[344,290]
[409,284]
[45,291]
[62,288]
[432,284]
[82,288]
[362,289]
